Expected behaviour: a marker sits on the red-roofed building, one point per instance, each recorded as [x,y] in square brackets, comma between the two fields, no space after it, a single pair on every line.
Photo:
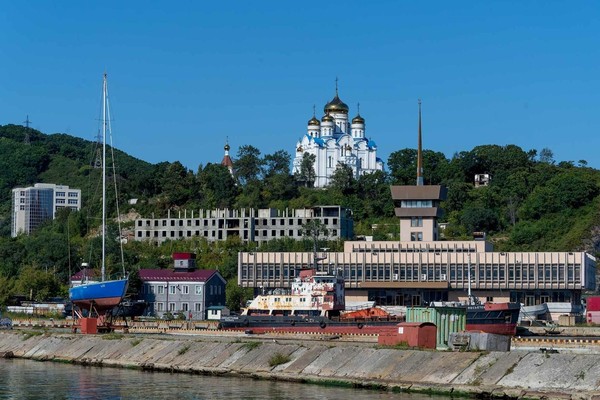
[184,288]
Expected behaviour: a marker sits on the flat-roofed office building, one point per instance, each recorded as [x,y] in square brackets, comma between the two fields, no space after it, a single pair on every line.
[417,273]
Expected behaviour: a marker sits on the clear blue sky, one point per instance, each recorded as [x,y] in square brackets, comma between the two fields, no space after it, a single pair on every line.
[185,75]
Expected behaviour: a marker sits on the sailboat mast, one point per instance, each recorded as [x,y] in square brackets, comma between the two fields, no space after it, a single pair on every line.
[104,122]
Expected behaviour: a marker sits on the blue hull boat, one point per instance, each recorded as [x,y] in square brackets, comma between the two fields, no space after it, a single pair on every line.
[101,295]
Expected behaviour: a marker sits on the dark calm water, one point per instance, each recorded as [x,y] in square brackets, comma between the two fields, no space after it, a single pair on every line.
[24,379]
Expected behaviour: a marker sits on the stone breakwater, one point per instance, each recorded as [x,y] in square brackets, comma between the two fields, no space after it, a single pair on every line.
[516,374]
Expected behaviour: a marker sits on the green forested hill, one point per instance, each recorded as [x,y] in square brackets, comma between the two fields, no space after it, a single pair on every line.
[532,202]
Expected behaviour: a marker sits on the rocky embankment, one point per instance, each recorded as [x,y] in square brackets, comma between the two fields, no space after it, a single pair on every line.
[516,374]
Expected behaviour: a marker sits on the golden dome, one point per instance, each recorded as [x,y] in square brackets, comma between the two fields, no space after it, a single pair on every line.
[314,121]
[327,118]
[358,119]
[336,105]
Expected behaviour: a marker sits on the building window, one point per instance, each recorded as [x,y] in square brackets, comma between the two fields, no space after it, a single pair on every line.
[416,221]
[171,307]
[198,290]
[172,289]
[60,194]
[416,236]
[185,289]
[160,306]
[184,307]
[161,289]
[416,203]
[197,306]
[73,194]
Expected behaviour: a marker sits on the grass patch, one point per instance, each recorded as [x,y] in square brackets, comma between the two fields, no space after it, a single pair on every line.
[113,336]
[278,359]
[397,346]
[31,333]
[251,345]
[135,342]
[183,350]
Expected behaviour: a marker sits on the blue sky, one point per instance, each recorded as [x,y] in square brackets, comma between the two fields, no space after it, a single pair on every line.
[186,75]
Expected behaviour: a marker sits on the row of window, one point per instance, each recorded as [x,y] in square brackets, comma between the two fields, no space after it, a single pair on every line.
[454,272]
[176,307]
[416,204]
[262,233]
[174,288]
[196,222]
[70,194]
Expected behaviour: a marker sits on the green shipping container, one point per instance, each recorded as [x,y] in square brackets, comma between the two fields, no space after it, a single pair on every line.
[447,320]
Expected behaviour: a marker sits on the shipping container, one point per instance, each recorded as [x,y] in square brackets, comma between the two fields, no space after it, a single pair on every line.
[413,334]
[447,320]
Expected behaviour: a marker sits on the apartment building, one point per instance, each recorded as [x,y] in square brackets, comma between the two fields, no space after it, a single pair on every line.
[31,206]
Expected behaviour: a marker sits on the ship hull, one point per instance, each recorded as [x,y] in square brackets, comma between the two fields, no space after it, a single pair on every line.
[101,295]
[498,318]
[300,322]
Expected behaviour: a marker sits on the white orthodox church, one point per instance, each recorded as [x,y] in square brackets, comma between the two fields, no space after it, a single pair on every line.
[334,140]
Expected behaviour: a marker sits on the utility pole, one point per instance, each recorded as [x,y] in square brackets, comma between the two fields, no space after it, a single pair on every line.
[27,138]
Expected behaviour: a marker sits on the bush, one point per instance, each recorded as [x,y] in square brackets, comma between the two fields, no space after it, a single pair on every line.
[278,359]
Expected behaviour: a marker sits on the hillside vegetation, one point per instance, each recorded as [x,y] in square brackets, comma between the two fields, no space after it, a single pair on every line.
[532,203]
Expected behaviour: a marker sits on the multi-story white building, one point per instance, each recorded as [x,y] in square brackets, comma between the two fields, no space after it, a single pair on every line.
[334,141]
[249,225]
[33,205]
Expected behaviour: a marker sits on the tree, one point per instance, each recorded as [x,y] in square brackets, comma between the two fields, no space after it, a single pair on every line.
[236,295]
[547,156]
[37,284]
[177,183]
[217,187]
[277,163]
[248,165]
[342,179]
[313,230]
[479,219]
[306,175]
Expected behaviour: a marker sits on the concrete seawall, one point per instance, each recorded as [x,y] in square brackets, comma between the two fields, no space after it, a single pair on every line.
[518,374]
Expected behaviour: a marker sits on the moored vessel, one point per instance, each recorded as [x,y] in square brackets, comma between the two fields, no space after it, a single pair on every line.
[316,299]
[100,296]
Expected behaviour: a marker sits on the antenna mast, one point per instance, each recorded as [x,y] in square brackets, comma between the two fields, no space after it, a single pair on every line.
[420,153]
[27,138]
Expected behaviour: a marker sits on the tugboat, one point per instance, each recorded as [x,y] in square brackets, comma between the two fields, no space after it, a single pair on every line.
[316,299]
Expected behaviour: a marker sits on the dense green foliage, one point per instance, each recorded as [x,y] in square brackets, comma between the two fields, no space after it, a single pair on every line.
[532,203]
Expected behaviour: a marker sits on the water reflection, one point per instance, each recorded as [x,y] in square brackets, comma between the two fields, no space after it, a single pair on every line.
[23,379]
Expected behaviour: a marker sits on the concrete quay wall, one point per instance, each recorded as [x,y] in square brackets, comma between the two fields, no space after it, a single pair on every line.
[516,374]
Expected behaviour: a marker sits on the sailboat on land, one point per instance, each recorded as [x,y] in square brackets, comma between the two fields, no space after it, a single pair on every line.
[100,296]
